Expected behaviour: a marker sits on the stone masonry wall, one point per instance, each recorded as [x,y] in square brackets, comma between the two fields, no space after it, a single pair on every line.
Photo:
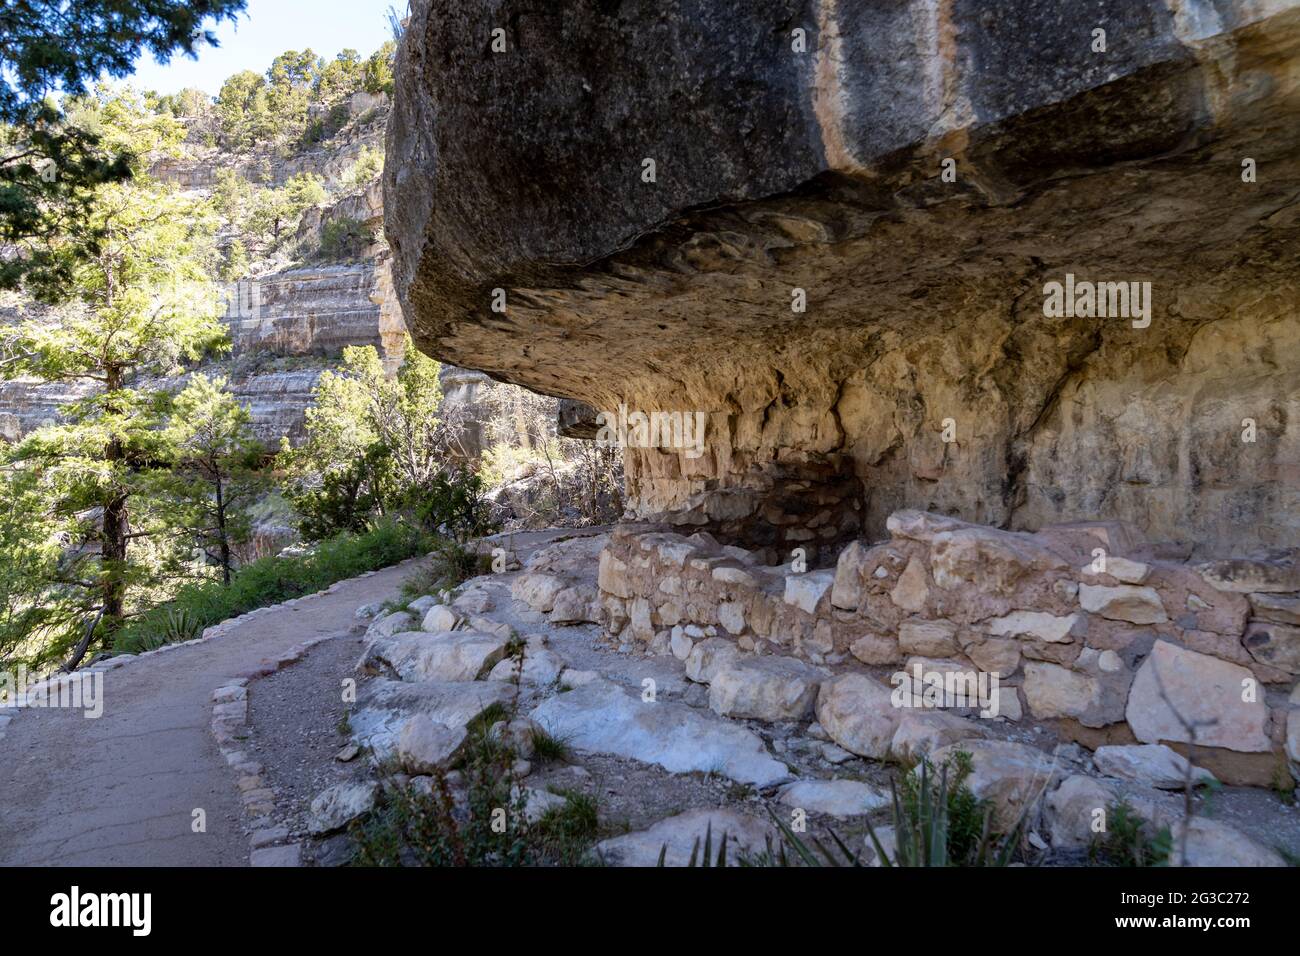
[1118,655]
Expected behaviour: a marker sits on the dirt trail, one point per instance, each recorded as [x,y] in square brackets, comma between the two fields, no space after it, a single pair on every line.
[120,790]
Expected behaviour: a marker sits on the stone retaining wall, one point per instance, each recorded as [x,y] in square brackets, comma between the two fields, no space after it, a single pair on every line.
[1082,623]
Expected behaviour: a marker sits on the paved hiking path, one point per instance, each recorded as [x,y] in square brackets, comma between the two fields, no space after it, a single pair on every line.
[120,790]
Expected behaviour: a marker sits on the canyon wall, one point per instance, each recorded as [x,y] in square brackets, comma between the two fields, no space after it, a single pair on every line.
[831,229]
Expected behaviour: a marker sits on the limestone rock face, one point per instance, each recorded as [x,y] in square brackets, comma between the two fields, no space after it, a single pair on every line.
[600,716]
[653,185]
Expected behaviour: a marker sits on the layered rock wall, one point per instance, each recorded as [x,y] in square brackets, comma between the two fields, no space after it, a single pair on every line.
[839,252]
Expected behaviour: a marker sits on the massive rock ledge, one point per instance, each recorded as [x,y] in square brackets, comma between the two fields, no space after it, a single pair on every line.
[779,170]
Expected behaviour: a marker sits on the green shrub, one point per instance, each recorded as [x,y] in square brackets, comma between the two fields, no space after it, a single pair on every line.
[937,822]
[450,565]
[453,504]
[1129,840]
[270,581]
[344,238]
[347,498]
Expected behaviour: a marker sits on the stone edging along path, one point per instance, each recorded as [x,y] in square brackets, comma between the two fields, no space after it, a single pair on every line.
[268,844]
[121,790]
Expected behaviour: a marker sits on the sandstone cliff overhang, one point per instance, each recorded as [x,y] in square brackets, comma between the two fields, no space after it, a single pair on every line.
[923,371]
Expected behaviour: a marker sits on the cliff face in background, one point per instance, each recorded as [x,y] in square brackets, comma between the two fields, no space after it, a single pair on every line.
[289,325]
[778,170]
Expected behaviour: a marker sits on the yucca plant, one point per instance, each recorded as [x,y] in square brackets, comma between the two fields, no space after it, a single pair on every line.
[924,831]
[708,858]
[181,625]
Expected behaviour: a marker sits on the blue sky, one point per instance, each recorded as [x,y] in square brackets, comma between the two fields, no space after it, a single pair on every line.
[268,28]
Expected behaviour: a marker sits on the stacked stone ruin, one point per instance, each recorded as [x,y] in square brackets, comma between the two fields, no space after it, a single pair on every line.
[1082,628]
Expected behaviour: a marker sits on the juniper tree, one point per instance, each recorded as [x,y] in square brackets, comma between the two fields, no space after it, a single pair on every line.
[141,305]
[214,478]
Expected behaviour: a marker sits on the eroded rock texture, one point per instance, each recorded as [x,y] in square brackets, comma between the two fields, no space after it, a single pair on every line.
[778,170]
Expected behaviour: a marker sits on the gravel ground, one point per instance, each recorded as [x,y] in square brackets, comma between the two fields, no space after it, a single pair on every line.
[295,714]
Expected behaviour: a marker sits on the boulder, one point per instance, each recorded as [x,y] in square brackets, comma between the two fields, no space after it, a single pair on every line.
[575,605]
[449,656]
[765,688]
[383,707]
[1077,810]
[707,656]
[537,803]
[1174,682]
[1212,843]
[336,807]
[835,798]
[390,624]
[922,732]
[538,590]
[542,667]
[1012,776]
[424,746]
[1154,765]
[474,599]
[420,606]
[858,714]
[440,619]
